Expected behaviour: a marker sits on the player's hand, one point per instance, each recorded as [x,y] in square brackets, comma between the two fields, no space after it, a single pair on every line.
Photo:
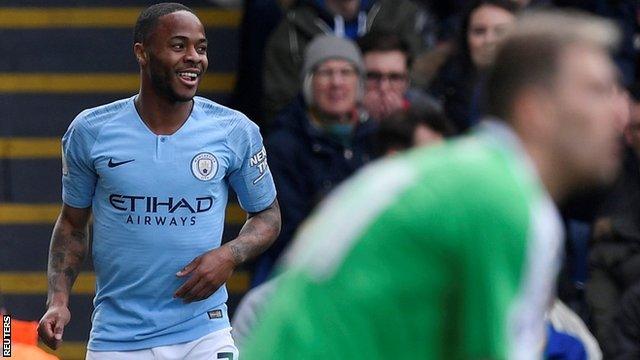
[208,272]
[52,325]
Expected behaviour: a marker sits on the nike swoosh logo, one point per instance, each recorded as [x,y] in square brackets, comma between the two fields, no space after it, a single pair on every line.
[112,164]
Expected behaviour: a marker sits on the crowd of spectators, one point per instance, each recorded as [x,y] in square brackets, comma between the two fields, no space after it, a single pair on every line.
[335,84]
[320,138]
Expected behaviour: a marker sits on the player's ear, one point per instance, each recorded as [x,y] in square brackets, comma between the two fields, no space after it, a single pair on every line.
[140,54]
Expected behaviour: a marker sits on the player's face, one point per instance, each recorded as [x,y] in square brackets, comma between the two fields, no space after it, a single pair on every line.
[335,87]
[586,133]
[177,56]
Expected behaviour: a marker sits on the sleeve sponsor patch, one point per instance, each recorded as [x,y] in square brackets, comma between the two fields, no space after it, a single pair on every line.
[259,160]
[65,168]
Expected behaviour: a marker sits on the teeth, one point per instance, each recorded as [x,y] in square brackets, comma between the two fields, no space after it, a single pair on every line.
[191,75]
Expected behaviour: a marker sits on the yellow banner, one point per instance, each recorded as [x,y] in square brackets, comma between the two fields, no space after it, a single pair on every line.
[123,83]
[29,148]
[99,17]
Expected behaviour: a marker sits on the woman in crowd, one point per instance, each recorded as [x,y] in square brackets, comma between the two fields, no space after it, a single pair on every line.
[457,84]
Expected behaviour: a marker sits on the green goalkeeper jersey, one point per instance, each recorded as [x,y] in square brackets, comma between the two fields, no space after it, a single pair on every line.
[442,253]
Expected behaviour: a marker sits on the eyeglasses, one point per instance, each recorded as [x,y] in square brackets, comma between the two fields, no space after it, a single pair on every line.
[327,74]
[394,78]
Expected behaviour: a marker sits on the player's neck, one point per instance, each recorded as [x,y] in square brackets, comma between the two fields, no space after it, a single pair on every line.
[162,117]
[549,172]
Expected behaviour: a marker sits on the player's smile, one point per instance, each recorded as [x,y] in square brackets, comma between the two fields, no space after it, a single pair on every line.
[189,77]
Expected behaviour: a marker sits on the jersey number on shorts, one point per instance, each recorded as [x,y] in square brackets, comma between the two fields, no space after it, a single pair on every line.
[225,355]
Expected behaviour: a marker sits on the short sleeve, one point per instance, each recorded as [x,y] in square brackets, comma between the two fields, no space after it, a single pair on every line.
[250,176]
[78,174]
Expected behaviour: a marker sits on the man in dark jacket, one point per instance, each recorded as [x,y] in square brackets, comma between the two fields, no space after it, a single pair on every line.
[614,259]
[343,18]
[318,140]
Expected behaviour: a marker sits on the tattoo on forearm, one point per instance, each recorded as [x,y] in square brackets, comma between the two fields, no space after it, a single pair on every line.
[66,254]
[237,251]
[257,234]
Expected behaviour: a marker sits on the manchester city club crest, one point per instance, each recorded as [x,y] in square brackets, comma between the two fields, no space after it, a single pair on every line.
[204,166]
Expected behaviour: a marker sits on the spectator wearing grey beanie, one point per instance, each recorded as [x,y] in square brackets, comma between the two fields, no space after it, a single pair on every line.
[320,139]
[329,47]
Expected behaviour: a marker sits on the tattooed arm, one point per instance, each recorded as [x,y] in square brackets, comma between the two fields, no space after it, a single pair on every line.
[212,269]
[66,254]
[258,233]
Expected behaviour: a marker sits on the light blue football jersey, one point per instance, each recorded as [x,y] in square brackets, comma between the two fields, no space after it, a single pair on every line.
[158,201]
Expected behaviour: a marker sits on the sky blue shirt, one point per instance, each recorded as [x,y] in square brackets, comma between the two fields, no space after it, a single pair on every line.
[158,202]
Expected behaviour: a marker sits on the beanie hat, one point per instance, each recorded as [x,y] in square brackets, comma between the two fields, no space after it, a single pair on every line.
[326,47]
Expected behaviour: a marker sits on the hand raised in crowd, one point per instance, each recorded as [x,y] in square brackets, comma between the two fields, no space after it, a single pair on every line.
[380,105]
[392,102]
[208,272]
[373,104]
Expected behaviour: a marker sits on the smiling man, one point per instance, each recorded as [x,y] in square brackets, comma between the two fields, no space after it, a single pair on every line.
[154,170]
[320,138]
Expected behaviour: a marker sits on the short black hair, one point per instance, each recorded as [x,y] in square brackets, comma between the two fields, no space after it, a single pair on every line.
[396,132]
[384,41]
[432,116]
[148,19]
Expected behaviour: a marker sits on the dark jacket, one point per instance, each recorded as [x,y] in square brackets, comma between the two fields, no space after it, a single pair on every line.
[456,86]
[614,259]
[627,326]
[285,48]
[307,164]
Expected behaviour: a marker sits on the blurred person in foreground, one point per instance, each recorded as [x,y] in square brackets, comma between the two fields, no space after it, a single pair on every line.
[420,125]
[155,169]
[451,252]
[320,139]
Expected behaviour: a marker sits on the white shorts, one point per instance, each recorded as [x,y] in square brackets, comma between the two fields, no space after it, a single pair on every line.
[217,345]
